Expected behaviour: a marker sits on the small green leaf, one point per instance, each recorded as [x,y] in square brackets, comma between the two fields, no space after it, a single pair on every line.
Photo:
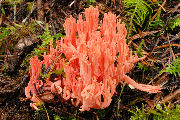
[56,117]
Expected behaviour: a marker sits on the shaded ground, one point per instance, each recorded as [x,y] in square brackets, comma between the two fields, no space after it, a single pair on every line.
[161,44]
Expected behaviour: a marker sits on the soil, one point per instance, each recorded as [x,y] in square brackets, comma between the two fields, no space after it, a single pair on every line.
[161,44]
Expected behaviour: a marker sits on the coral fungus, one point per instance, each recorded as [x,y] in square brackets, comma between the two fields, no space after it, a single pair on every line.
[98,60]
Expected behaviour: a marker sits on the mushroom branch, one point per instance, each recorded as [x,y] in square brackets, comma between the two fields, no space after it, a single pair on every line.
[96,60]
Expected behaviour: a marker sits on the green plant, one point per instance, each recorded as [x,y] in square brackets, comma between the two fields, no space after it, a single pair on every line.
[139,49]
[41,109]
[142,67]
[138,11]
[165,113]
[56,72]
[173,68]
[5,70]
[46,37]
[119,99]
[157,22]
[175,22]
[56,117]
[4,32]
[89,2]
[40,49]
[8,34]
[139,114]
[161,112]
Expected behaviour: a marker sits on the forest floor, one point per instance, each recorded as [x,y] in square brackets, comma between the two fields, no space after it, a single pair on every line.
[152,30]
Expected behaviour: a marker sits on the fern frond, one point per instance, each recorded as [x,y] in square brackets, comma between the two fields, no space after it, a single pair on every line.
[138,10]
[173,68]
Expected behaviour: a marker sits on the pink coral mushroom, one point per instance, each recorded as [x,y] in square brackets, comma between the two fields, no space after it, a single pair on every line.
[98,60]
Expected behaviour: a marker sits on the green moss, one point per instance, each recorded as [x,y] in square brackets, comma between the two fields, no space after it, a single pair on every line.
[161,112]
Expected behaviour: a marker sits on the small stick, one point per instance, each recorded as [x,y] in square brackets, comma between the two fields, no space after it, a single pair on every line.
[161,6]
[171,48]
[171,96]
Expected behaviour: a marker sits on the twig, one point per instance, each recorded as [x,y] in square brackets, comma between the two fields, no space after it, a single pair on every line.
[40,11]
[171,48]
[158,75]
[51,67]
[148,102]
[136,46]
[178,54]
[44,107]
[171,96]
[163,46]
[15,88]
[40,25]
[173,39]
[14,11]
[46,111]
[71,3]
[175,8]
[24,20]
[161,6]
[142,34]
